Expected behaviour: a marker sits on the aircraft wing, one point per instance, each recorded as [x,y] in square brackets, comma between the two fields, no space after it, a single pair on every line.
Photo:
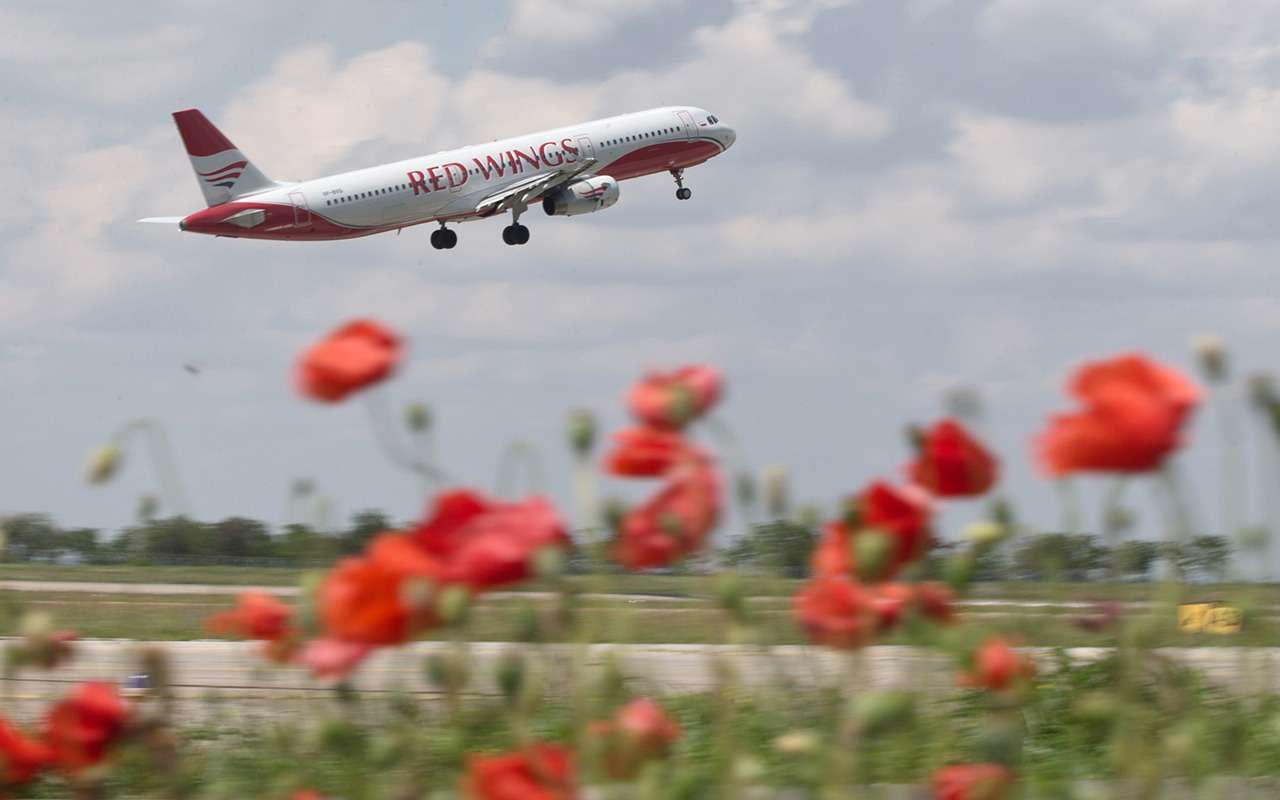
[521,192]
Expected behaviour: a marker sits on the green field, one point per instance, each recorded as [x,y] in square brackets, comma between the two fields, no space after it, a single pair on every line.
[619,620]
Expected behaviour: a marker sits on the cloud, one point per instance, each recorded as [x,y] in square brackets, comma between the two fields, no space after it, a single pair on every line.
[312,110]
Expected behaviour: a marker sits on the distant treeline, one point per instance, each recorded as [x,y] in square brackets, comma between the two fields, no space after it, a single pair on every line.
[178,540]
[780,547]
[784,547]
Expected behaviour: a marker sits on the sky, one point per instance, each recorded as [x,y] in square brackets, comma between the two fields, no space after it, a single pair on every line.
[924,195]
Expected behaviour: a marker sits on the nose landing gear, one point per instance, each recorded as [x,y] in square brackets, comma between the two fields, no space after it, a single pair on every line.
[682,193]
[444,239]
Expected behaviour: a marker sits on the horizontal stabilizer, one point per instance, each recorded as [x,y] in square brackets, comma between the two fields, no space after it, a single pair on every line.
[162,220]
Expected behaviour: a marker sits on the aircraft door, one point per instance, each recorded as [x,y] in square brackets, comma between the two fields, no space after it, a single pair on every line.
[690,127]
[301,211]
[585,148]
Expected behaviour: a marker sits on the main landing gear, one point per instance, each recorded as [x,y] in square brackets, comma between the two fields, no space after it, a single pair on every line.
[682,193]
[515,233]
[444,239]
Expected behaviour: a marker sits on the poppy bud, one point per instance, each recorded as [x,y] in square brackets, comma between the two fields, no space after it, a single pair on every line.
[417,417]
[883,710]
[1262,390]
[852,514]
[809,517]
[417,594]
[872,552]
[776,492]
[509,674]
[614,512]
[154,662]
[915,437]
[1000,741]
[729,594]
[452,604]
[964,402]
[447,671]
[1212,353]
[549,562]
[985,534]
[1096,706]
[959,570]
[148,505]
[794,743]
[104,463]
[582,432]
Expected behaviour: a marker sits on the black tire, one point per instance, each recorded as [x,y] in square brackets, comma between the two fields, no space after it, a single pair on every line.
[522,234]
[684,193]
[436,241]
[450,239]
[509,234]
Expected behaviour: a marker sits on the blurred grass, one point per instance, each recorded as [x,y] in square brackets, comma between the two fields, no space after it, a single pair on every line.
[690,586]
[614,620]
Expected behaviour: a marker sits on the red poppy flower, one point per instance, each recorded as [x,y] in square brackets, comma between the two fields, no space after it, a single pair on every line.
[22,756]
[899,513]
[539,772]
[891,601]
[331,659]
[82,727]
[1134,411]
[641,730]
[836,611]
[952,463]
[364,600]
[998,667]
[936,602]
[973,782]
[644,452]
[673,523]
[354,357]
[484,543]
[673,399]
[306,794]
[257,615]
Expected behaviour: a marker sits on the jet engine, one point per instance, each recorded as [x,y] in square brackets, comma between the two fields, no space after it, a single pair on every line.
[581,197]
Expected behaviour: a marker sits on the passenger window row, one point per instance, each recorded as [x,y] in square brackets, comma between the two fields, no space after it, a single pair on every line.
[639,136]
[350,198]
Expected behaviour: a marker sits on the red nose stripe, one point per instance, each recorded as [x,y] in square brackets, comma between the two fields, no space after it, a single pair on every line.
[199,135]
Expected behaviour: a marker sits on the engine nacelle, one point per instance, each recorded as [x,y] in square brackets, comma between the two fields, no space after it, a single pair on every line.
[581,197]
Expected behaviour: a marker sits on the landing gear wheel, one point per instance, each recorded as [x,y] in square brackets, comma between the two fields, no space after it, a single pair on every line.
[444,239]
[681,192]
[515,234]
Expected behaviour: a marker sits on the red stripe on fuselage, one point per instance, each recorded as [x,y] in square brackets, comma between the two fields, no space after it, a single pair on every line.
[662,157]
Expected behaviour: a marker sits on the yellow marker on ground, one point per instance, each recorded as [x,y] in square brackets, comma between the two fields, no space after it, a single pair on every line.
[1216,618]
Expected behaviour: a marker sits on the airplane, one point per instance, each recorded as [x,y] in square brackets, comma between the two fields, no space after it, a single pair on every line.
[570,171]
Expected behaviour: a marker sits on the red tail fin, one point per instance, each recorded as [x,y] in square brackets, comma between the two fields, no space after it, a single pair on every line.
[222,171]
[199,134]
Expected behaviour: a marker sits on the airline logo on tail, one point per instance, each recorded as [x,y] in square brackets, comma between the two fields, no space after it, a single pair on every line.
[226,176]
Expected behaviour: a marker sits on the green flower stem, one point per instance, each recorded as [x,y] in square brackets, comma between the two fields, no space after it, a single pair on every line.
[385,432]
[731,449]
[162,461]
[841,781]
[516,455]
[1111,509]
